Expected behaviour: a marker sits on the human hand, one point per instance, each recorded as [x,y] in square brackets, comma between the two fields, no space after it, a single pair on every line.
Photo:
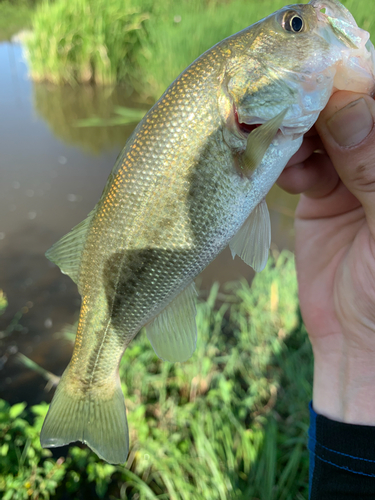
[335,254]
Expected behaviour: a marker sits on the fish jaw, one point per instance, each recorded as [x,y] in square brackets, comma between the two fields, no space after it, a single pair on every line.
[333,8]
[352,52]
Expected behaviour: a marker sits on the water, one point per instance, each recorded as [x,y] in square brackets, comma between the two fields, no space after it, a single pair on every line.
[51,175]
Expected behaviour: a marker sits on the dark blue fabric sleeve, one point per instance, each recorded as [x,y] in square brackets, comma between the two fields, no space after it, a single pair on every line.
[342,460]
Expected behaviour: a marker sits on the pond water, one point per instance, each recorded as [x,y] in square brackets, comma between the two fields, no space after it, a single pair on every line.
[51,175]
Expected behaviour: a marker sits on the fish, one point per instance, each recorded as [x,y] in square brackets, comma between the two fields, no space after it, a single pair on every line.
[191,180]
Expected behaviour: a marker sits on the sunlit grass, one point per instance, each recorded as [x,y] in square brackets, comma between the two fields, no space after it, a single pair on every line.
[82,41]
[184,32]
[231,423]
[218,426]
[145,44]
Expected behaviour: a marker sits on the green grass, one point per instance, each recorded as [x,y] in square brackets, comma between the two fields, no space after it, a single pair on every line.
[15,15]
[229,424]
[86,41]
[174,45]
[142,43]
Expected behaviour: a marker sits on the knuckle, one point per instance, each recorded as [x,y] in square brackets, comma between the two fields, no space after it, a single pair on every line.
[364,177]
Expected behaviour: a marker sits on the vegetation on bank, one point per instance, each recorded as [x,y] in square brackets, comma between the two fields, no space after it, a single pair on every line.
[15,15]
[229,424]
[86,41]
[142,43]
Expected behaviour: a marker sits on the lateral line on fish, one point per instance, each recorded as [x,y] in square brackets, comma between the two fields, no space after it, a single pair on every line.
[100,350]
[152,193]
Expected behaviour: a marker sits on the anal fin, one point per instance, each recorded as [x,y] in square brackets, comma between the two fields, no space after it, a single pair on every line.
[173,333]
[253,240]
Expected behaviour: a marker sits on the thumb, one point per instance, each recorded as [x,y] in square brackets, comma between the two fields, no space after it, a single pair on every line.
[346,127]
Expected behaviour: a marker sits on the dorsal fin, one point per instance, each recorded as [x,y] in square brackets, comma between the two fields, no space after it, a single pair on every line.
[66,253]
[173,333]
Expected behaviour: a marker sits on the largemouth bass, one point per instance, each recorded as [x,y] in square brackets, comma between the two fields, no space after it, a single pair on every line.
[190,180]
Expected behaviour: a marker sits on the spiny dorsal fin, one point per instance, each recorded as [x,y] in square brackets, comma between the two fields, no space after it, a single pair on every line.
[253,240]
[173,333]
[258,142]
[66,253]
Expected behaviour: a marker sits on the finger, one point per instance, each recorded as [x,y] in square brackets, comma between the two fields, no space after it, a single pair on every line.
[346,127]
[337,202]
[309,145]
[311,132]
[315,177]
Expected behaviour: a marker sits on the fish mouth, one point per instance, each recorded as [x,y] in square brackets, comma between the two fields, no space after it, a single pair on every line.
[334,9]
[341,23]
[354,51]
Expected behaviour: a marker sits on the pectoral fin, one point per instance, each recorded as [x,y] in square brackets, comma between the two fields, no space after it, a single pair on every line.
[258,142]
[253,240]
[66,253]
[173,333]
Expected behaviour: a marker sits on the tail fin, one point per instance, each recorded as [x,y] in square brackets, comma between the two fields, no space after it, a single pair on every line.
[97,418]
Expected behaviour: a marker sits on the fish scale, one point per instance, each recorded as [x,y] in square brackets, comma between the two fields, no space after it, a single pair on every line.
[190,181]
[162,222]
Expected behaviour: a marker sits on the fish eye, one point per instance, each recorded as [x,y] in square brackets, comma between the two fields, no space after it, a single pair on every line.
[293,22]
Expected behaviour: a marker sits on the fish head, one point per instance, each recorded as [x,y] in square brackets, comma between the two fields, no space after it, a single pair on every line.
[293,59]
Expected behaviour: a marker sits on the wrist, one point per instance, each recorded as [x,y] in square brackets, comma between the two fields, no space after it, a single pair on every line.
[344,383]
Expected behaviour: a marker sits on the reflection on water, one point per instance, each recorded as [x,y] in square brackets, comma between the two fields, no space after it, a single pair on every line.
[62,107]
[51,175]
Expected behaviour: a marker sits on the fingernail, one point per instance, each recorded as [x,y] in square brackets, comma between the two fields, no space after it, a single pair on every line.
[350,125]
